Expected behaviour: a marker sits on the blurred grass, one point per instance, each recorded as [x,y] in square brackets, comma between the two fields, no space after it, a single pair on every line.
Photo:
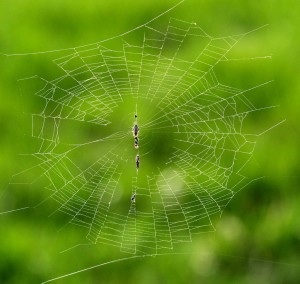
[258,237]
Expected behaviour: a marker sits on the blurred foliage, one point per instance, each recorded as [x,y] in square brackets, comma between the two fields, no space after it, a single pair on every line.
[257,240]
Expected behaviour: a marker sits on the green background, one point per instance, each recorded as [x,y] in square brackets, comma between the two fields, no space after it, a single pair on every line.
[257,240]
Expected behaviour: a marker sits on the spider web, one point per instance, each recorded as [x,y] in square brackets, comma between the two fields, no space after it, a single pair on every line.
[193,146]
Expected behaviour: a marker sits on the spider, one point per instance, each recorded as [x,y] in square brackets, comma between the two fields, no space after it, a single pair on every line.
[136,142]
[137,161]
[133,198]
[135,130]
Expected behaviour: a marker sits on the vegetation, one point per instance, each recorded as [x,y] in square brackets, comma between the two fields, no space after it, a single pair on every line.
[257,239]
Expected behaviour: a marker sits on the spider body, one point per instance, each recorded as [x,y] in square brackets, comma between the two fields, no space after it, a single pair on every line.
[133,198]
[137,161]
[136,142]
[135,130]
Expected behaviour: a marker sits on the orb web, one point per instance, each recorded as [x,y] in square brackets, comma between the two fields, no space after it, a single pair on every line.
[192,144]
